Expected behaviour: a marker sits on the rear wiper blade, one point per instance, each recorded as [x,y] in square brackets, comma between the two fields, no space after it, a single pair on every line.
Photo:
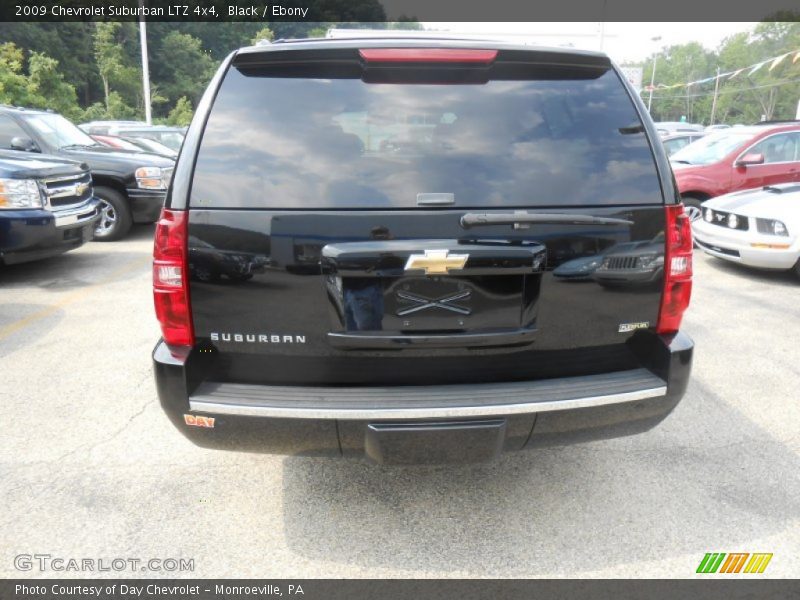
[772,189]
[683,162]
[478,219]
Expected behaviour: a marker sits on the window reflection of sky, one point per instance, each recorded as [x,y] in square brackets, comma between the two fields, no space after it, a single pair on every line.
[312,143]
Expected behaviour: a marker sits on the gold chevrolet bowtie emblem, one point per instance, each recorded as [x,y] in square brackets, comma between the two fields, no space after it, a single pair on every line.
[436,262]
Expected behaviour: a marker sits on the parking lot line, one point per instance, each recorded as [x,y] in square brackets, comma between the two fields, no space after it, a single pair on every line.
[24,322]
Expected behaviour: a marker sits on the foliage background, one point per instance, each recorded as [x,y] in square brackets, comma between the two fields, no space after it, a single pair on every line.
[91,70]
[742,99]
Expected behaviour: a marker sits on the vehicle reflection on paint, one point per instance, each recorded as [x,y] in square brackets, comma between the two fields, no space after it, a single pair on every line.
[632,264]
[626,264]
[363,304]
[359,302]
[208,264]
[579,269]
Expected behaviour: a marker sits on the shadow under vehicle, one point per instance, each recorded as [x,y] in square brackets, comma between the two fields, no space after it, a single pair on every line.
[411,314]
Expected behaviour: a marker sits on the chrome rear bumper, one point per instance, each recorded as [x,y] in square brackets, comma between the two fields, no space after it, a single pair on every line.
[427,402]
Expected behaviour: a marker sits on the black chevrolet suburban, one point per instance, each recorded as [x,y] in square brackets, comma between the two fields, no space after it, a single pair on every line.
[131,186]
[47,206]
[406,202]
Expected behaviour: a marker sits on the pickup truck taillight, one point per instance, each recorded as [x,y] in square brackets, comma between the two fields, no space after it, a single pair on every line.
[677,270]
[171,278]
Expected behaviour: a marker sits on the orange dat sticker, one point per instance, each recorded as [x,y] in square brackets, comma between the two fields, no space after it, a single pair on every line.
[199,421]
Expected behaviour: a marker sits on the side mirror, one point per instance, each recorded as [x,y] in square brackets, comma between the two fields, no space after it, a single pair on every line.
[751,158]
[24,144]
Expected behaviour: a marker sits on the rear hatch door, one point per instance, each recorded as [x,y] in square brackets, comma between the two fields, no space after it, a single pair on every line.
[375,218]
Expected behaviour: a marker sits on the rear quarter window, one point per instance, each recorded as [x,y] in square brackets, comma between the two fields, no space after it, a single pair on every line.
[327,143]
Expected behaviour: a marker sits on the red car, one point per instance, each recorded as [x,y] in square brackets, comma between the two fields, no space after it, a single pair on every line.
[115,142]
[736,159]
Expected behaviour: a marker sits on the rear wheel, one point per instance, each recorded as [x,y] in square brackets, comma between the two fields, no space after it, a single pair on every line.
[205,274]
[693,207]
[115,215]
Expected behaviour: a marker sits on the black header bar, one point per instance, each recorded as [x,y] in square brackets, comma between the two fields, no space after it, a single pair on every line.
[352,11]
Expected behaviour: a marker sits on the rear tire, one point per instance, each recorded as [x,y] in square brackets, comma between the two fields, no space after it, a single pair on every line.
[115,215]
[205,274]
[693,207]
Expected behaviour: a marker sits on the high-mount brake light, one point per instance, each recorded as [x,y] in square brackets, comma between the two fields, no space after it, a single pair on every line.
[677,270]
[427,55]
[170,278]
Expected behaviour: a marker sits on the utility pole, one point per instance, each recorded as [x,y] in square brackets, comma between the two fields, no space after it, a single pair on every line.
[653,76]
[148,116]
[714,103]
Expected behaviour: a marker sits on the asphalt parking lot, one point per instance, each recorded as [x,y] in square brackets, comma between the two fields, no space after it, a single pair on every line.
[91,468]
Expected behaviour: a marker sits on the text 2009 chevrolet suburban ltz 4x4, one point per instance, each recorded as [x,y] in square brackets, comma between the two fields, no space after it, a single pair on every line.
[357,253]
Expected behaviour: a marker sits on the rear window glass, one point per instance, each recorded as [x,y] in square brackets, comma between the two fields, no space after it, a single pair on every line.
[288,142]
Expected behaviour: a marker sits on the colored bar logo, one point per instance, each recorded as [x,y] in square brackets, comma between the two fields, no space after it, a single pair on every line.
[734,562]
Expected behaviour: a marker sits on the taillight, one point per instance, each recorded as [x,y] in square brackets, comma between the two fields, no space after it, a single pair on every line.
[677,270]
[428,55]
[170,278]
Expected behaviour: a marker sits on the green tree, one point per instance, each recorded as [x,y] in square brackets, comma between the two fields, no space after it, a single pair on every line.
[70,43]
[182,113]
[317,32]
[407,23]
[45,80]
[119,109]
[681,64]
[14,86]
[218,39]
[779,100]
[184,68]
[115,49]
[742,98]
[95,112]
[265,33]
[732,104]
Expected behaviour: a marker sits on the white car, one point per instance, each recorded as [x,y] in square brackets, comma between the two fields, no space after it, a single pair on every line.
[758,227]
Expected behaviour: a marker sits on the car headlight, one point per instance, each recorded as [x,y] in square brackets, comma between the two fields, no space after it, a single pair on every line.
[733,221]
[19,193]
[166,175]
[772,227]
[709,215]
[153,178]
[591,265]
[651,261]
